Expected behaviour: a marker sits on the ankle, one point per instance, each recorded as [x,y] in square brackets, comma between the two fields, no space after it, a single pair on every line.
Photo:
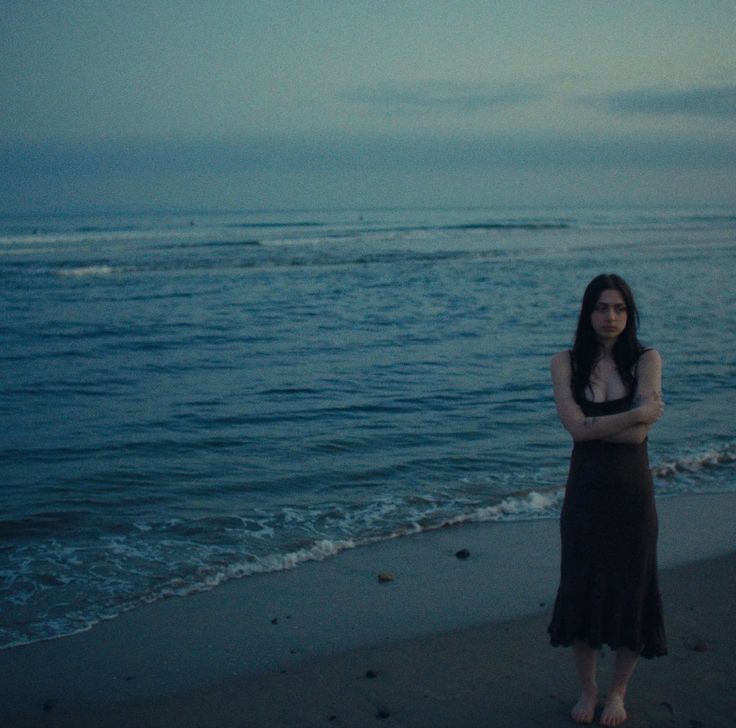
[589,693]
[589,689]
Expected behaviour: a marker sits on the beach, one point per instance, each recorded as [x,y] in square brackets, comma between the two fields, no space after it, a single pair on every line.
[282,291]
[441,640]
[199,397]
[221,427]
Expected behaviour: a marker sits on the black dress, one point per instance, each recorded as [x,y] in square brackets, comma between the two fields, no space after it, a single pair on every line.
[609,592]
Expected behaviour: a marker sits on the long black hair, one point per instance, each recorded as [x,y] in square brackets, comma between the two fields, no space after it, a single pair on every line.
[586,350]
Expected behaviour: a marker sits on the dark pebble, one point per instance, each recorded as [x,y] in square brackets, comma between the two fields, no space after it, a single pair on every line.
[48,705]
[370,674]
[382,714]
[331,718]
[130,677]
[275,620]
[463,554]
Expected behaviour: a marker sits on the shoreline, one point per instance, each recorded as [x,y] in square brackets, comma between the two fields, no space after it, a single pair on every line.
[327,613]
[502,673]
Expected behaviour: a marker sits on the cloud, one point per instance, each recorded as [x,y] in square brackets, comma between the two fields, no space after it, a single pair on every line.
[442,96]
[132,158]
[717,101]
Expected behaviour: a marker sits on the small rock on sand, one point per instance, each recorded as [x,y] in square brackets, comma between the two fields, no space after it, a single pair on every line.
[696,644]
[384,577]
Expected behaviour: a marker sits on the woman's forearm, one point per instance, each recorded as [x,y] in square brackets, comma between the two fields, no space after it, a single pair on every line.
[633,435]
[583,428]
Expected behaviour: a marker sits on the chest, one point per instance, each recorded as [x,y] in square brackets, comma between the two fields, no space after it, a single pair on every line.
[605,383]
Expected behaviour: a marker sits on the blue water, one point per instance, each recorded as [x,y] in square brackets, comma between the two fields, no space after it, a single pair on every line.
[193,397]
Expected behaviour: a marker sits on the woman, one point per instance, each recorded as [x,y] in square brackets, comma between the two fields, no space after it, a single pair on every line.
[608,395]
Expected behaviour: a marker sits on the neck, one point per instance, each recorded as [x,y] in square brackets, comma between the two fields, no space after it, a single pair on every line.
[605,348]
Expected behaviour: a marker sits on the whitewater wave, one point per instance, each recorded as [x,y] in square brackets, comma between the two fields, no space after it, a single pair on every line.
[695,462]
[201,564]
[86,270]
[206,567]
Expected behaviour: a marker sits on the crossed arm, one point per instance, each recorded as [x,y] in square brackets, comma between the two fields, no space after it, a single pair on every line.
[631,426]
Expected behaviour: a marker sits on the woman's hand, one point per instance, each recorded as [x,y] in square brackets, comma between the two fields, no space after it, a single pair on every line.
[649,407]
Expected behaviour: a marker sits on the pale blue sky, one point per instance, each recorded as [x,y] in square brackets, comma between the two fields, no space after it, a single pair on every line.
[284,104]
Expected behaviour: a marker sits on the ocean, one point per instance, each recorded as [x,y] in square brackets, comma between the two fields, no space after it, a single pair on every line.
[192,397]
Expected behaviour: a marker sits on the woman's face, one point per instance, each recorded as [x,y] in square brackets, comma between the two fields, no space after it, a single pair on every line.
[609,315]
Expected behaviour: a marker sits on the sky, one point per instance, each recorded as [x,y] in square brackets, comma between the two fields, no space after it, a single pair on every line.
[286,104]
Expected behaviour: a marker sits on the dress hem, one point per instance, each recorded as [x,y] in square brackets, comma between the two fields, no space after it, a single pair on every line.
[648,652]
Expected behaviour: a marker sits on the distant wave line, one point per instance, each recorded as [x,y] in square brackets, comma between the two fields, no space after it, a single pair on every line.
[284,224]
[87,270]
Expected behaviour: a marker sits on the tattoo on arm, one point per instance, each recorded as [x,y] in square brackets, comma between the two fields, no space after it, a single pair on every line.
[590,421]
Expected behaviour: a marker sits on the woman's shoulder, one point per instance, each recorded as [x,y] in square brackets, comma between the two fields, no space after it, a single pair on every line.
[649,355]
[561,360]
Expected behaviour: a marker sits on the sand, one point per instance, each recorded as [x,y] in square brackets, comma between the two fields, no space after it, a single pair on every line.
[448,642]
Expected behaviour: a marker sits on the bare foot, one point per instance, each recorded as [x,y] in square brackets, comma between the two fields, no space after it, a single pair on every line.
[584,710]
[614,712]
